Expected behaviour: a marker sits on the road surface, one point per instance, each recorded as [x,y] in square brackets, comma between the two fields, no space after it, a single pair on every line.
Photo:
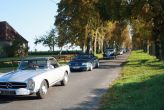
[83,91]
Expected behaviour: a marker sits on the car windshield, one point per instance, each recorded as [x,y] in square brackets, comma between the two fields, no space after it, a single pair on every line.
[83,57]
[109,50]
[80,60]
[33,64]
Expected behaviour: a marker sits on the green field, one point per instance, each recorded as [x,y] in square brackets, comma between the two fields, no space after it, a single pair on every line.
[140,86]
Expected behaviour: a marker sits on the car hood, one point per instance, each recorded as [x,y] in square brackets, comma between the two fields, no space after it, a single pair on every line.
[80,61]
[20,75]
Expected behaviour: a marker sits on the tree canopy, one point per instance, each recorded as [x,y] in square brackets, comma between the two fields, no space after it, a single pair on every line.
[49,39]
[95,24]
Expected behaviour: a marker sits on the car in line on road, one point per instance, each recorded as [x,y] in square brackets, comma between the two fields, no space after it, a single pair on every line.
[84,62]
[109,53]
[34,75]
[120,52]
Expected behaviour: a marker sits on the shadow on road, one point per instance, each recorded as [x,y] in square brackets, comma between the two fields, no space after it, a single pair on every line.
[92,103]
[108,64]
[9,99]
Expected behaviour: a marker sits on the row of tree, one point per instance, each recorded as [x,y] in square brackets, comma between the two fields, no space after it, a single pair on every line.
[97,24]
[84,23]
[148,24]
[146,17]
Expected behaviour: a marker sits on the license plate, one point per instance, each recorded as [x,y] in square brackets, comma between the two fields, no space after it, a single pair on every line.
[76,67]
[7,93]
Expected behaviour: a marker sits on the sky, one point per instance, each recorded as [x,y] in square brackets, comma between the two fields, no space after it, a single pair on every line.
[30,18]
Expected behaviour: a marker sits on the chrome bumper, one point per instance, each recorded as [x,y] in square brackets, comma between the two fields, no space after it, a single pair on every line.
[21,91]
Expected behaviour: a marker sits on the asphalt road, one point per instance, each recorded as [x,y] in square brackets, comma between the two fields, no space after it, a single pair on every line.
[83,91]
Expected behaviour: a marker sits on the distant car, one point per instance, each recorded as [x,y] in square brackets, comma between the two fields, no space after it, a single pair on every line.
[109,53]
[125,50]
[84,62]
[34,75]
[121,51]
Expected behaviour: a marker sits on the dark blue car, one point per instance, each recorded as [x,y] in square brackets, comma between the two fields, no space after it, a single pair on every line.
[109,53]
[84,62]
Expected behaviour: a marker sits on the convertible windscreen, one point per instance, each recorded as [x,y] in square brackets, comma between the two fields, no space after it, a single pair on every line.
[83,57]
[109,50]
[33,64]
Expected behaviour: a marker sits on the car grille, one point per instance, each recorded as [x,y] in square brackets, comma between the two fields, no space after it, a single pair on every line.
[12,85]
[76,64]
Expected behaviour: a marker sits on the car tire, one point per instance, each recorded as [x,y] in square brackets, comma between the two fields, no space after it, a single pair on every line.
[91,68]
[43,90]
[97,65]
[65,80]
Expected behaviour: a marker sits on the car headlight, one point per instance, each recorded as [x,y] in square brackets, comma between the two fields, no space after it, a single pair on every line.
[31,84]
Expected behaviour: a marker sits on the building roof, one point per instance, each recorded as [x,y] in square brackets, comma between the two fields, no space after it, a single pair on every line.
[8,33]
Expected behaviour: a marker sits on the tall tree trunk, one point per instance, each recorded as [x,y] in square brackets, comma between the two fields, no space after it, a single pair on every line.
[161,47]
[50,48]
[61,48]
[102,44]
[162,53]
[89,41]
[144,45]
[153,48]
[148,46]
[83,47]
[85,39]
[157,49]
[95,41]
[53,47]
[99,44]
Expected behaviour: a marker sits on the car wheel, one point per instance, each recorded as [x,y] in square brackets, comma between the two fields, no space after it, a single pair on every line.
[97,65]
[91,68]
[43,90]
[65,80]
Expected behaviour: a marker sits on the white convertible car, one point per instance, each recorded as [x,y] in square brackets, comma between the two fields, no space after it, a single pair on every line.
[34,75]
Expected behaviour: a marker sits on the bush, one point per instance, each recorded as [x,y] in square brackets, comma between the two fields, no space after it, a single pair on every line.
[17,49]
[2,53]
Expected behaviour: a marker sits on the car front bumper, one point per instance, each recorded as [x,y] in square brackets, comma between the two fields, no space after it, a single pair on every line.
[108,56]
[21,91]
[82,68]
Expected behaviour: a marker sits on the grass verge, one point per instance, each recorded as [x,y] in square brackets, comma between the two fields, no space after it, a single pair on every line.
[140,86]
